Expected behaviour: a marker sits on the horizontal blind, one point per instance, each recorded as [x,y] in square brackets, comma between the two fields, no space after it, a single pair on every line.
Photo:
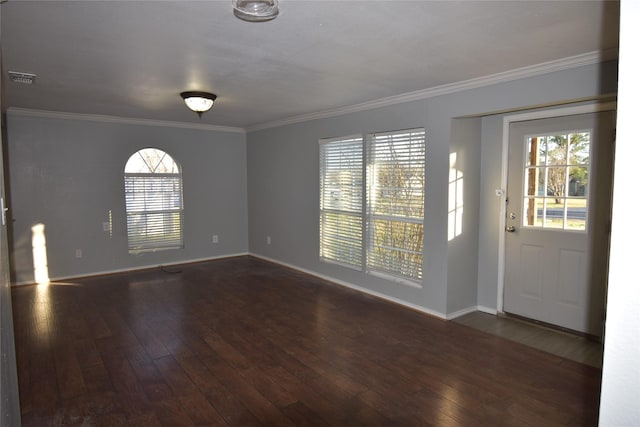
[154,211]
[395,202]
[341,198]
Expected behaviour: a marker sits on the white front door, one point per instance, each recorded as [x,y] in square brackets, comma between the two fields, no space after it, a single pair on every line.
[558,220]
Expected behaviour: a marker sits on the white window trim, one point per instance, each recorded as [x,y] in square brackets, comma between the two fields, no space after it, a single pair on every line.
[387,137]
[367,216]
[358,139]
[144,245]
[545,167]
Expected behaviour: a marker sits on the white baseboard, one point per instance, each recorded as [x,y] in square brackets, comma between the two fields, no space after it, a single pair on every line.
[132,269]
[284,264]
[462,312]
[354,287]
[487,310]
[472,309]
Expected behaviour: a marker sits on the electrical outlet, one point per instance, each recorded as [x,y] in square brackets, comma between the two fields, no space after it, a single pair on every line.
[215,238]
[268,240]
[78,253]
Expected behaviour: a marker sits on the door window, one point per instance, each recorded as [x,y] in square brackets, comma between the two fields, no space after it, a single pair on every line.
[556,181]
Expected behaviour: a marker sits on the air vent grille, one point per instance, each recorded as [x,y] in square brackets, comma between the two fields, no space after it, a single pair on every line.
[24,78]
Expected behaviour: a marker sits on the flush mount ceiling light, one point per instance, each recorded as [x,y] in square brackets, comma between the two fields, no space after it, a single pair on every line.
[255,10]
[198,101]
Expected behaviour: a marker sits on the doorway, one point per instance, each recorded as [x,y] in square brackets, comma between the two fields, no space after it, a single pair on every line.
[557,220]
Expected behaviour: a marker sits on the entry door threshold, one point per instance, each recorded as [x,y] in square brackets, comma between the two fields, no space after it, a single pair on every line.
[551,326]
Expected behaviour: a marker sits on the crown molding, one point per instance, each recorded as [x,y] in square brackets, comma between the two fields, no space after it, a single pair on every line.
[506,76]
[121,120]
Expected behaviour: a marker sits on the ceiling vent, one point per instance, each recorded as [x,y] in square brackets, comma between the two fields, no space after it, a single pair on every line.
[24,78]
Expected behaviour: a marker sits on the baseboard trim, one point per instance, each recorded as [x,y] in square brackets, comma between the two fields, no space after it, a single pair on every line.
[132,269]
[353,286]
[333,280]
[487,310]
[462,312]
[472,309]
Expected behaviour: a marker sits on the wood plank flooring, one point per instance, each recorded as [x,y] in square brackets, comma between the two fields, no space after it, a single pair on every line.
[243,342]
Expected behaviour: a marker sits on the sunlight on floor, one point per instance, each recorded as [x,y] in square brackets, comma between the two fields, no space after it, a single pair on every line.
[39,245]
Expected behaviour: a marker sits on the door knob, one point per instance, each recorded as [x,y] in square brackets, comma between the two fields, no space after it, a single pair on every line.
[511,229]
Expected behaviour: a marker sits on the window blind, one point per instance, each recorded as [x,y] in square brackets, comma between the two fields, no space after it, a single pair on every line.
[154,211]
[153,195]
[341,199]
[395,202]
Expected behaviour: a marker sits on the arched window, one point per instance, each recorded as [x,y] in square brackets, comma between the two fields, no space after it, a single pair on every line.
[153,192]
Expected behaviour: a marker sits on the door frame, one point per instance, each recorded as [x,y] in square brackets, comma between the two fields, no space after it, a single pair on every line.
[594,107]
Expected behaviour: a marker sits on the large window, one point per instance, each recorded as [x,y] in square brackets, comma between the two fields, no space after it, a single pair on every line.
[376,223]
[341,193]
[153,192]
[395,202]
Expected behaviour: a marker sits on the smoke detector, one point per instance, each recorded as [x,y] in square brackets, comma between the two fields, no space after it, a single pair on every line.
[24,78]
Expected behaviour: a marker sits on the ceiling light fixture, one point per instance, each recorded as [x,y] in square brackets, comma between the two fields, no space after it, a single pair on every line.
[255,10]
[198,101]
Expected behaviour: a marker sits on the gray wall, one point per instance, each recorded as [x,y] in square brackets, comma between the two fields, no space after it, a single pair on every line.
[9,393]
[68,174]
[283,170]
[489,214]
[462,273]
[283,185]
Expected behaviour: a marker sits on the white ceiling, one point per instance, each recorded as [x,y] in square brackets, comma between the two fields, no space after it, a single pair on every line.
[132,58]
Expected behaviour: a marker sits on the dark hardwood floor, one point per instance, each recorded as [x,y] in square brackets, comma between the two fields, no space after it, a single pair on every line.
[242,342]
